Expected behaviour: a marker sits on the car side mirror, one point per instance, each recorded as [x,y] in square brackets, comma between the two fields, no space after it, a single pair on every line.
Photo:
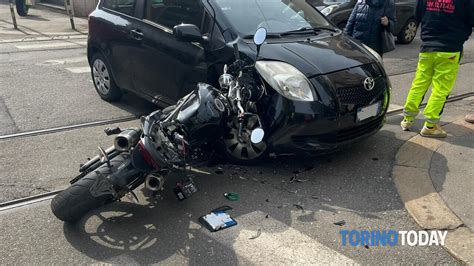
[187,33]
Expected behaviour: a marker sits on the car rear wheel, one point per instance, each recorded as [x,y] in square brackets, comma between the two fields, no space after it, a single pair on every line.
[408,32]
[104,82]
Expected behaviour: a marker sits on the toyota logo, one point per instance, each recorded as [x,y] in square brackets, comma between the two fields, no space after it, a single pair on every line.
[369,84]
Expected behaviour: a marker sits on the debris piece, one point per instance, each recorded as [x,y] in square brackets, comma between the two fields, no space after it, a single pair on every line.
[299,207]
[267,200]
[219,171]
[375,159]
[259,232]
[314,197]
[218,219]
[266,216]
[292,179]
[260,172]
[263,182]
[291,191]
[255,179]
[243,178]
[232,196]
[340,223]
[366,246]
[301,180]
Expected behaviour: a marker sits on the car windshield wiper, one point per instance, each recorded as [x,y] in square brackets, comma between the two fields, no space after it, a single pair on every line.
[306,30]
[269,35]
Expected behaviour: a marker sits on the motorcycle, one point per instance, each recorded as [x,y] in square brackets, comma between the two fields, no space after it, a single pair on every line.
[171,139]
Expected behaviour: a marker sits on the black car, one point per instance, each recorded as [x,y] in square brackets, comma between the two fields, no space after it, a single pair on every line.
[338,11]
[323,89]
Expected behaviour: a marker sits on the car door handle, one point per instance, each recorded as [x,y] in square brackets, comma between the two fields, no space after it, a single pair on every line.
[137,34]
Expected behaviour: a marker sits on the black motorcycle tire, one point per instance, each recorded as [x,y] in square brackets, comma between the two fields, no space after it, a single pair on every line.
[73,203]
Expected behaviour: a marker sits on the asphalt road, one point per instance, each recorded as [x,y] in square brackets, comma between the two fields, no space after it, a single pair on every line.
[46,84]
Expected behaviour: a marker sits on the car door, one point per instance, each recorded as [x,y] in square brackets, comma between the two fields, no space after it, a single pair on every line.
[165,68]
[118,22]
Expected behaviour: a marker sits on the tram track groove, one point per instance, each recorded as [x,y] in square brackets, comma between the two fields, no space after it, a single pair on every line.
[21,202]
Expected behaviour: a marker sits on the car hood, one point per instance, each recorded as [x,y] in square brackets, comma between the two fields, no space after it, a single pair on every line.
[319,55]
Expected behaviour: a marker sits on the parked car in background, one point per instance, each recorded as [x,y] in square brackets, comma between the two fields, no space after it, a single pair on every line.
[338,11]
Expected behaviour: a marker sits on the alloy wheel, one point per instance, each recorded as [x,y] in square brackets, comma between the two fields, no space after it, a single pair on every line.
[242,148]
[410,31]
[101,76]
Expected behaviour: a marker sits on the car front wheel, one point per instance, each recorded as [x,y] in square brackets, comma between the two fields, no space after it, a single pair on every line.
[408,32]
[104,82]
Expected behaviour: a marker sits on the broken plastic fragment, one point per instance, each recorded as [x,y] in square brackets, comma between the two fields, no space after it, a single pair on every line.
[259,232]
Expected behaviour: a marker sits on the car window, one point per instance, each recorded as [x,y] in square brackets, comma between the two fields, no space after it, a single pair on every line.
[170,13]
[123,6]
[276,16]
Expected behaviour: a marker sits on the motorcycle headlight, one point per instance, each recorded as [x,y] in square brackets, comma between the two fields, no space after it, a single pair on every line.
[374,53]
[329,9]
[286,80]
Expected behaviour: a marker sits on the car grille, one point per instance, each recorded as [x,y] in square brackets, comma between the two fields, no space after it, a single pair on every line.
[358,95]
[354,132]
[342,135]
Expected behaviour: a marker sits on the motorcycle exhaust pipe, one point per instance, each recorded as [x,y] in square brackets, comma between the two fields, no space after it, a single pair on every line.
[127,139]
[154,183]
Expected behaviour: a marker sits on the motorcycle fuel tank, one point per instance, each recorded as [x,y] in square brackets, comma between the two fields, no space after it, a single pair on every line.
[203,113]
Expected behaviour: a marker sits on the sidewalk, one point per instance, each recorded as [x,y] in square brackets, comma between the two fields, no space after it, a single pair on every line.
[39,24]
[434,180]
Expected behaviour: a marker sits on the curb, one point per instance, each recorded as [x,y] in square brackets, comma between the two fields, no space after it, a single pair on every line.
[414,185]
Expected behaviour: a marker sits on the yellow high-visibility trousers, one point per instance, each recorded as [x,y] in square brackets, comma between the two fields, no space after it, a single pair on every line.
[440,70]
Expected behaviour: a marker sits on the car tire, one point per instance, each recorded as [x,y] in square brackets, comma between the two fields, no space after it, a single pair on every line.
[408,32]
[21,8]
[103,80]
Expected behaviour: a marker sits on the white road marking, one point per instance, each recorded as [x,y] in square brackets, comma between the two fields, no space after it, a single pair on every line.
[277,243]
[49,45]
[393,106]
[49,38]
[79,70]
[63,61]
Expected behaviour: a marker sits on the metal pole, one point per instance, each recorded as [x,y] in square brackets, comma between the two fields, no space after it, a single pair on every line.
[12,10]
[69,12]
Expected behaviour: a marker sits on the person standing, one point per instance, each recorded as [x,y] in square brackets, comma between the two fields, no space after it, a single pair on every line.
[368,19]
[445,26]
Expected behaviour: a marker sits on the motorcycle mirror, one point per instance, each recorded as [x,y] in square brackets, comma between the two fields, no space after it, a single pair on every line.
[260,36]
[257,135]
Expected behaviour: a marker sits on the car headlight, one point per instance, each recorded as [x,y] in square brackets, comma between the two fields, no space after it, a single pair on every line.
[286,80]
[374,53]
[329,9]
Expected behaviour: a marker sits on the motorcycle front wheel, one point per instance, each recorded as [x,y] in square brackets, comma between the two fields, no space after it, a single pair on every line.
[73,203]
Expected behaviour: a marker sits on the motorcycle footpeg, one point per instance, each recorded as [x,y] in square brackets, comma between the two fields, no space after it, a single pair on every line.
[112,131]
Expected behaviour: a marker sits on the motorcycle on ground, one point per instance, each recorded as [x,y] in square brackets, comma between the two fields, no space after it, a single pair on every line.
[169,140]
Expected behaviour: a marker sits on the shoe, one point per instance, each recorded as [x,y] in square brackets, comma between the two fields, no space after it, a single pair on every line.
[435,132]
[406,125]
[469,118]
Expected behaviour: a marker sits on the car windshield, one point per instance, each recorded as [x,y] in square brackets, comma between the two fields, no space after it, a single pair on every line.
[277,16]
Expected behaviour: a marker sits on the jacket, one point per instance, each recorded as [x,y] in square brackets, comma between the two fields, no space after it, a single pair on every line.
[364,21]
[445,24]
